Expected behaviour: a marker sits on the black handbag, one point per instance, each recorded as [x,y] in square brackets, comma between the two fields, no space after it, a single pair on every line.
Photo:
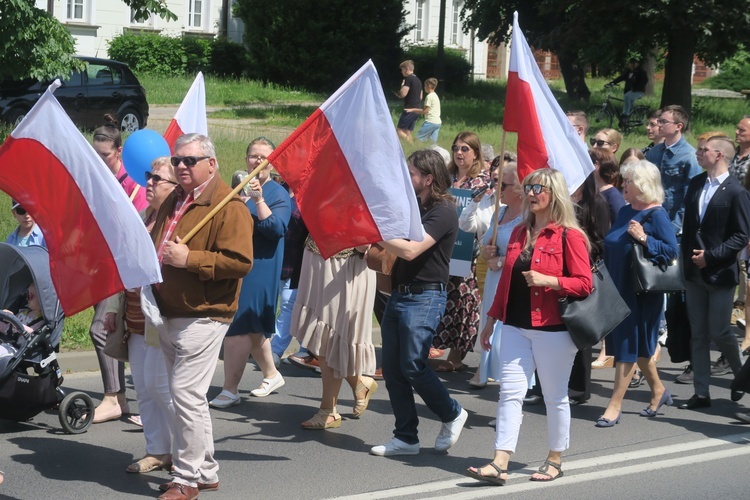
[649,277]
[590,319]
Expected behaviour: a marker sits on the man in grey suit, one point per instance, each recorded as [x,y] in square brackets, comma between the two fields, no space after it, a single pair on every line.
[716,227]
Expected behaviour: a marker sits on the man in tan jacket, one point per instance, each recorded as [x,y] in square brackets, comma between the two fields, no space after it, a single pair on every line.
[198,300]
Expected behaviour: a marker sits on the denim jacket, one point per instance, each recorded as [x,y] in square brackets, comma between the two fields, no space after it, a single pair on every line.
[677,164]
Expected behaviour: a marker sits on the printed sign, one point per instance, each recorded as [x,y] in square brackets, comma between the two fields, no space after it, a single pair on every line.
[463,249]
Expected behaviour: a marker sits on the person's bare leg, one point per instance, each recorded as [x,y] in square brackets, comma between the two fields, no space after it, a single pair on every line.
[236,352]
[260,348]
[648,368]
[331,388]
[623,374]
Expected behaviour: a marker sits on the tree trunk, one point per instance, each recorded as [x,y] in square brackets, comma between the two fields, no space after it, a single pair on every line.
[574,77]
[678,69]
[649,64]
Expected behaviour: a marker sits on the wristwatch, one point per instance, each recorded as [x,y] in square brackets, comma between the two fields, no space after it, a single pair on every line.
[642,239]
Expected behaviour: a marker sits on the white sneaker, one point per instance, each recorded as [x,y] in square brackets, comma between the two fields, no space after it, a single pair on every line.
[450,431]
[268,386]
[663,334]
[395,447]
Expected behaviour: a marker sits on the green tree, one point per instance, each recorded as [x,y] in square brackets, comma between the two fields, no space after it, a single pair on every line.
[318,45]
[34,44]
[597,33]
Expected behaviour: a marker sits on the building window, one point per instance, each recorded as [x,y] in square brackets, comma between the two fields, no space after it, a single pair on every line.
[76,10]
[420,21]
[456,21]
[195,14]
[149,21]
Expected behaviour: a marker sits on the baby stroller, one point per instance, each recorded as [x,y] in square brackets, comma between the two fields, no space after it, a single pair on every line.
[30,382]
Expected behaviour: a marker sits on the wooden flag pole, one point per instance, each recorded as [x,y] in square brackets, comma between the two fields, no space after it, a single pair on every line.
[223,202]
[497,194]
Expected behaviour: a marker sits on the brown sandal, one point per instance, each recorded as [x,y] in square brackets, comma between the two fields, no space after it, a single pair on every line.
[496,480]
[544,470]
[360,405]
[320,420]
[147,464]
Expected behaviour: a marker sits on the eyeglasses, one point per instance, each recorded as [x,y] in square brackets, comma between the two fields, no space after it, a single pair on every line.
[664,122]
[504,185]
[156,179]
[706,150]
[598,142]
[188,161]
[256,157]
[20,211]
[535,188]
[463,149]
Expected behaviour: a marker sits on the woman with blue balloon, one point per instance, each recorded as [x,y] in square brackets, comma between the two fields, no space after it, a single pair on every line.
[129,165]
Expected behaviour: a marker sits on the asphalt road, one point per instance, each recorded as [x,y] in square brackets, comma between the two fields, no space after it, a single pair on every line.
[263,452]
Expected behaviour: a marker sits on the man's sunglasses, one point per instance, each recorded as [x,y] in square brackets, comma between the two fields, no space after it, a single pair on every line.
[156,179]
[463,149]
[535,188]
[20,211]
[188,161]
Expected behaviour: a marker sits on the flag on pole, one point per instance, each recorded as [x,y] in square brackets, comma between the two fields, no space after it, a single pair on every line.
[191,115]
[97,242]
[348,172]
[545,136]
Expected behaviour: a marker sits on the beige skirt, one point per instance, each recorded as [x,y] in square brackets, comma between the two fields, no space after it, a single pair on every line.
[332,314]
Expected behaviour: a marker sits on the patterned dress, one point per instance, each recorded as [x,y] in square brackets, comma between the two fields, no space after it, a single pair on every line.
[459,326]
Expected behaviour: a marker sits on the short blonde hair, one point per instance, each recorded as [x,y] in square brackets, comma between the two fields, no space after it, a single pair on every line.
[647,178]
[613,136]
[164,162]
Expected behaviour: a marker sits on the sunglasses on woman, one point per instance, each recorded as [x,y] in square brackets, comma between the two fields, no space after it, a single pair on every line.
[463,149]
[598,142]
[535,188]
[156,179]
[20,211]
[188,161]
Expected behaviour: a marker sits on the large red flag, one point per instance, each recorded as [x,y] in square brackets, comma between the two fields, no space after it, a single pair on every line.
[545,136]
[348,171]
[191,115]
[97,242]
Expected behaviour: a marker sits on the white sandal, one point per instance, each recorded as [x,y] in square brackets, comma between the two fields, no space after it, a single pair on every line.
[225,399]
[268,386]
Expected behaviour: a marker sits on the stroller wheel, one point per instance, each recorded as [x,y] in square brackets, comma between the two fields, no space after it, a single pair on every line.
[76,412]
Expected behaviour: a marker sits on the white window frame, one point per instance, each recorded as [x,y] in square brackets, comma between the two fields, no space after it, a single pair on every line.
[148,23]
[456,22]
[191,14]
[70,10]
[420,15]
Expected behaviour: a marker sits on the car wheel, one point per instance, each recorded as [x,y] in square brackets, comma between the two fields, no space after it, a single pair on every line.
[130,120]
[15,116]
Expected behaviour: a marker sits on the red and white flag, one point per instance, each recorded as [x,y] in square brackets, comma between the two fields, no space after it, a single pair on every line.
[347,169]
[545,136]
[191,115]
[97,242]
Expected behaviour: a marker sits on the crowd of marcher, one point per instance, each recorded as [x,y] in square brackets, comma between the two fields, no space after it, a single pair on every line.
[669,200]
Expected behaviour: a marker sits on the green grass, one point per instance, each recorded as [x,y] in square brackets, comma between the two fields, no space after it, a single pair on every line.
[273,111]
[222,92]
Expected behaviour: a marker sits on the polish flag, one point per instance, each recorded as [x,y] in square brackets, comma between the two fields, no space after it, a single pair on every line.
[545,136]
[191,116]
[97,242]
[348,172]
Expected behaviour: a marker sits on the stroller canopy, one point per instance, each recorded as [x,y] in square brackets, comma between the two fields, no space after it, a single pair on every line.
[19,267]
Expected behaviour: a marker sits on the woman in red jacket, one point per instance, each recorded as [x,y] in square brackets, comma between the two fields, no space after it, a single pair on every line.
[537,272]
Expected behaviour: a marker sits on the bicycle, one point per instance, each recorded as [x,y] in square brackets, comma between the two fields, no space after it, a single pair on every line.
[603,115]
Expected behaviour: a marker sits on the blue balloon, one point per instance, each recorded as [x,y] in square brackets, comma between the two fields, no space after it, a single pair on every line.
[141,148]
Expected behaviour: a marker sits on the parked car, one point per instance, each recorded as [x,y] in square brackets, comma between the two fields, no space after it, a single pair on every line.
[103,87]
